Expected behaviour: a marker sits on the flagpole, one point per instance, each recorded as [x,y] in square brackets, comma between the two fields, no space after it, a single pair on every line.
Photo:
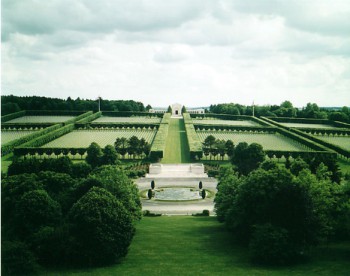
[253,108]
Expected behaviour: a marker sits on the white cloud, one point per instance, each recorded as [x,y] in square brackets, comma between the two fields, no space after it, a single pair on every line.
[194,52]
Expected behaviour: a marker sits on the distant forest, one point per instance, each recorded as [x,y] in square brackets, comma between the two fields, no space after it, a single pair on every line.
[286,109]
[10,104]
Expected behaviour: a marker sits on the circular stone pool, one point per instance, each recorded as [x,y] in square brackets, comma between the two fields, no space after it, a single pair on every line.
[177,194]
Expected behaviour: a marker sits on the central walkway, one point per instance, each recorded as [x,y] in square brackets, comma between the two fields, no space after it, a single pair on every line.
[176,170]
[176,147]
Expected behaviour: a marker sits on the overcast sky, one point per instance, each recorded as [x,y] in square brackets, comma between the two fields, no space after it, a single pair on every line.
[195,52]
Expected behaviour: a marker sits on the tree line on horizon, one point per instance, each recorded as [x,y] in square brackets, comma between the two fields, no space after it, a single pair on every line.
[285,109]
[11,104]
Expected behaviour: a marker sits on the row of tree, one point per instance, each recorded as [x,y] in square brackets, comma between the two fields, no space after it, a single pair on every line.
[280,212]
[286,109]
[53,216]
[10,104]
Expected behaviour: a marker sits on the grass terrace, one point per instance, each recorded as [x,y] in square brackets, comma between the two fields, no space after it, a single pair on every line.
[11,135]
[83,138]
[141,119]
[343,142]
[41,119]
[215,121]
[269,141]
[301,125]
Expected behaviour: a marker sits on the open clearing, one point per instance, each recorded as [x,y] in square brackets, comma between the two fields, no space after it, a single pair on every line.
[185,245]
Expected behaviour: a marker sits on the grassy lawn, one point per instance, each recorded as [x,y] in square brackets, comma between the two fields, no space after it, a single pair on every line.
[176,149]
[184,245]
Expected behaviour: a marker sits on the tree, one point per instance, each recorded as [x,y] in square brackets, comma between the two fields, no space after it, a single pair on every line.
[101,228]
[221,148]
[209,142]
[227,189]
[247,158]
[59,186]
[94,154]
[117,183]
[12,189]
[121,145]
[229,148]
[153,184]
[298,165]
[301,205]
[34,210]
[134,145]
[110,156]
[200,185]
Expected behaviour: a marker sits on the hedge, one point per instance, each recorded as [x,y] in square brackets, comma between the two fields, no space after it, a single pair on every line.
[296,154]
[80,117]
[310,121]
[336,148]
[21,151]
[44,139]
[84,121]
[310,140]
[12,116]
[120,125]
[158,145]
[269,129]
[8,147]
[195,145]
[25,126]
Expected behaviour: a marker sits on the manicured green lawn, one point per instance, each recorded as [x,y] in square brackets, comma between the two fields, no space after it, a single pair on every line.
[184,245]
[176,148]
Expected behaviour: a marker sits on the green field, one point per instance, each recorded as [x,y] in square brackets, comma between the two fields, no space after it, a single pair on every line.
[146,120]
[185,245]
[301,125]
[83,138]
[213,121]
[268,141]
[40,119]
[343,142]
[176,147]
[10,135]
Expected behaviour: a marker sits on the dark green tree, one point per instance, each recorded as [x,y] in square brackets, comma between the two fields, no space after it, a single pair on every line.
[34,210]
[247,158]
[110,155]
[94,154]
[101,228]
[121,146]
[298,165]
[227,189]
[116,181]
